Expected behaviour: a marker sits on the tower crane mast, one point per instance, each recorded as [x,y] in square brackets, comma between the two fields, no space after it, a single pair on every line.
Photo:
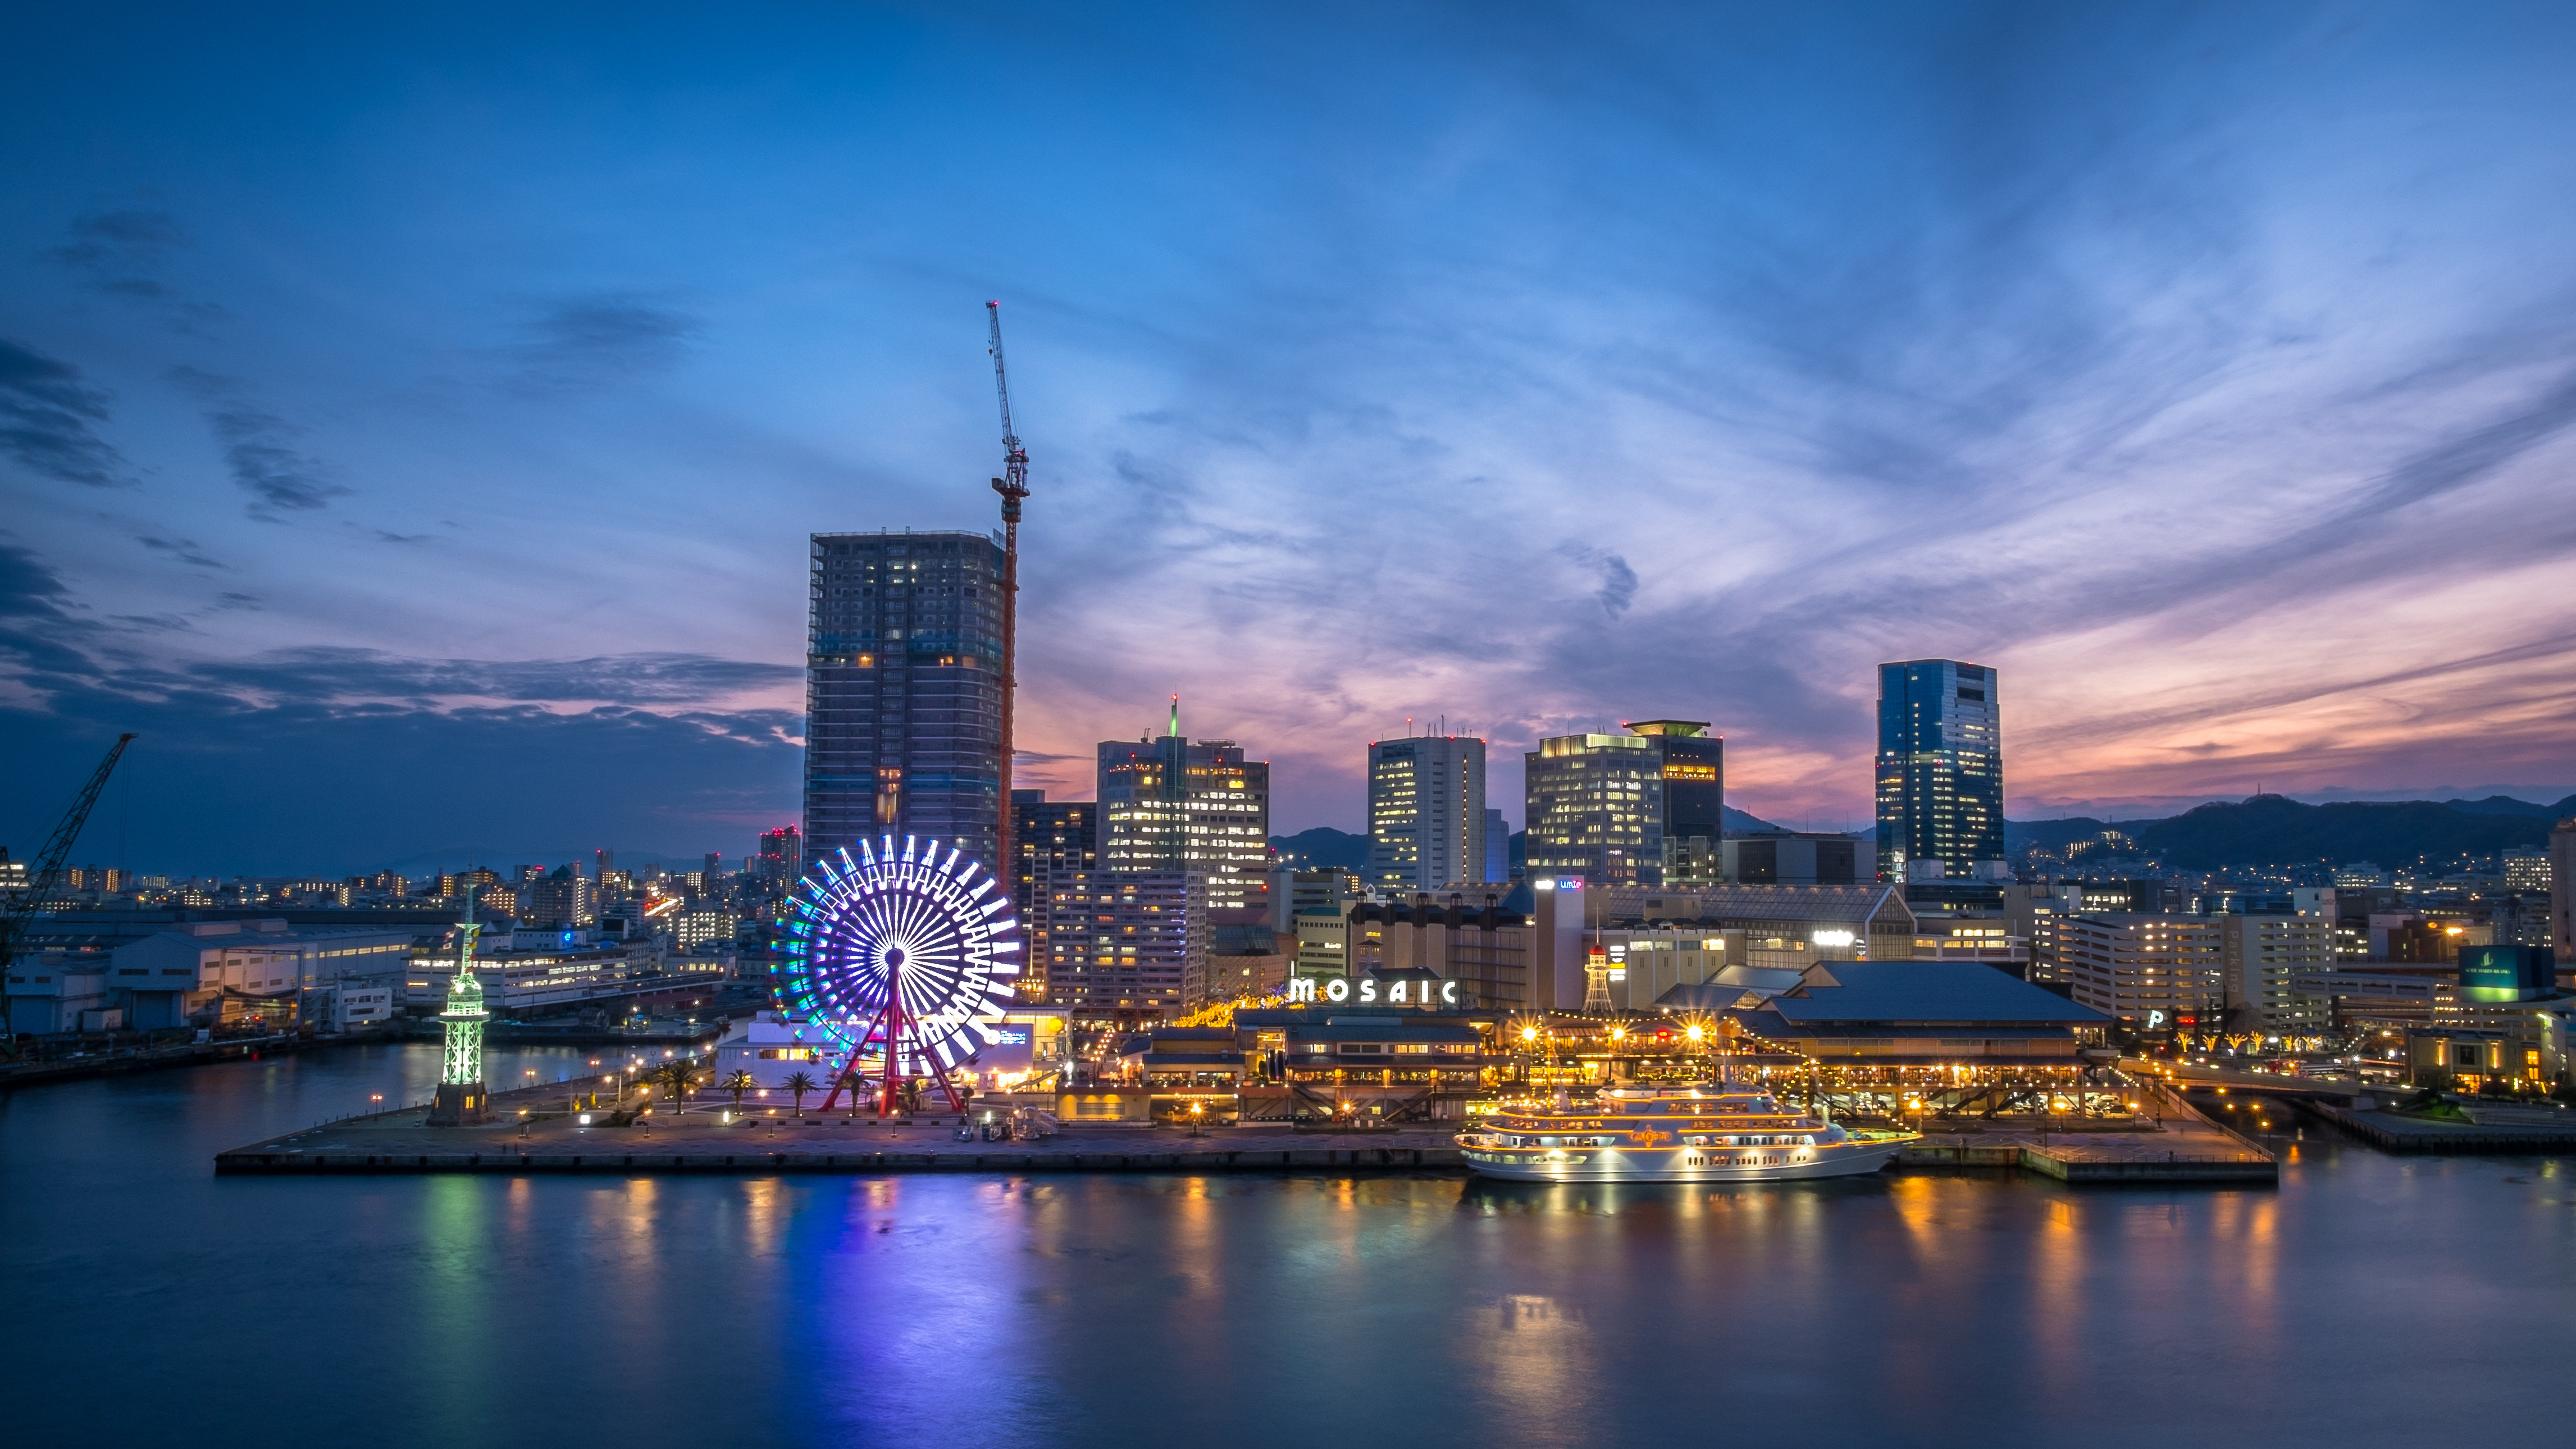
[1013,485]
[48,872]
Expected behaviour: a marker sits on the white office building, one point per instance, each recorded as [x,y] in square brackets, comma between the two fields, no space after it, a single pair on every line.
[1426,813]
[2150,972]
[2260,961]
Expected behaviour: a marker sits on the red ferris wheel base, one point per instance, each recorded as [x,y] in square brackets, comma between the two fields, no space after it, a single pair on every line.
[892,1019]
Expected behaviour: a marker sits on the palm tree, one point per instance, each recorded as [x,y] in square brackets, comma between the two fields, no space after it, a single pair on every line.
[798,1084]
[678,1074]
[739,1083]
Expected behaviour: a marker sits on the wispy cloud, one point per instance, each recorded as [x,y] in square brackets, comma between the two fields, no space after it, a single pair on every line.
[258,446]
[1618,588]
[599,338]
[123,252]
[46,418]
[260,449]
[185,550]
[128,253]
[322,676]
[30,589]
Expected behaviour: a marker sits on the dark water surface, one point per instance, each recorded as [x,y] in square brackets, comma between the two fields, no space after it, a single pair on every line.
[2368,1300]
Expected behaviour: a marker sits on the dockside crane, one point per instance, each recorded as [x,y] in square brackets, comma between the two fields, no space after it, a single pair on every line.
[48,871]
[1013,485]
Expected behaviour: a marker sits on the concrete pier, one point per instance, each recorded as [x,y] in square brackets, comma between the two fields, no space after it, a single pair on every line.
[551,1137]
[2186,1146]
[117,1061]
[538,1129]
[2493,1128]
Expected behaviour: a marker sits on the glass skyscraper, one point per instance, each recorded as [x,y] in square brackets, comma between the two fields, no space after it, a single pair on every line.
[1940,766]
[903,691]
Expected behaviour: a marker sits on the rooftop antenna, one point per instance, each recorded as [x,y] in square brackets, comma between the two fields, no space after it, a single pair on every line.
[1013,485]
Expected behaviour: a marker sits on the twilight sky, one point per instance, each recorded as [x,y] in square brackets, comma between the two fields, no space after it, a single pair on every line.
[411,423]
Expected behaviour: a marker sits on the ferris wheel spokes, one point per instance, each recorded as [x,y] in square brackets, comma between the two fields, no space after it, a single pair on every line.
[903,952]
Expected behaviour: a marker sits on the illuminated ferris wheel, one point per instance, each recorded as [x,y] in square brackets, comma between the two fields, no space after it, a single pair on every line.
[908,954]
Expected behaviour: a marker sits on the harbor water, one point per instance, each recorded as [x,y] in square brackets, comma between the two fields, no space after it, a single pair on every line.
[2367,1299]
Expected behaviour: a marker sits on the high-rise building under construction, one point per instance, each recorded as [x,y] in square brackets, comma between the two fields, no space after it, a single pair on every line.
[903,691]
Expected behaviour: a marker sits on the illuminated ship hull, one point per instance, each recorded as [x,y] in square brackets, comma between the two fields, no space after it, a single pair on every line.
[1673,1136]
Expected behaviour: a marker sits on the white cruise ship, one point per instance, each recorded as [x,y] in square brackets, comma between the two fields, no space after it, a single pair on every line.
[1672,1134]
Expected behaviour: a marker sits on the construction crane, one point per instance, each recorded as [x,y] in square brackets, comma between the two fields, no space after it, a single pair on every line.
[48,872]
[1013,486]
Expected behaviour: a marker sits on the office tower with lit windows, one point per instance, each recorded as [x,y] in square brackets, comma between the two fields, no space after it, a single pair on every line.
[1196,807]
[1693,803]
[1051,838]
[1121,946]
[1604,807]
[1940,767]
[1426,813]
[903,692]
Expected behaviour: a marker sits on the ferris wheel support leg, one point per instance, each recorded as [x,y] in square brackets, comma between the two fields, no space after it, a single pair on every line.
[949,1088]
[850,1068]
[894,1044]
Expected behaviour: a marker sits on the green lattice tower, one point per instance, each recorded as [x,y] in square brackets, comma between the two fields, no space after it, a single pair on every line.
[462,1098]
[464,1018]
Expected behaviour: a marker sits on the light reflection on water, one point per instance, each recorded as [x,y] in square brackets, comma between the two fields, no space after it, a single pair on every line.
[958,1311]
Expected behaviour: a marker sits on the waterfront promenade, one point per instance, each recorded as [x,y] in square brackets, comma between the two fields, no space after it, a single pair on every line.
[708,1138]
[540,1130]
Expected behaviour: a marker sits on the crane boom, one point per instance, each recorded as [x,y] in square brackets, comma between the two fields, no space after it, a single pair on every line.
[1015,461]
[49,867]
[1013,485]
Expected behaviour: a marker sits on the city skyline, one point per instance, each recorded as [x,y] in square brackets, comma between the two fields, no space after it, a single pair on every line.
[423,454]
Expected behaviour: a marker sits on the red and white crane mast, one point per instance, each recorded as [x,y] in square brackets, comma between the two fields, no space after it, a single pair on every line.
[1014,487]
